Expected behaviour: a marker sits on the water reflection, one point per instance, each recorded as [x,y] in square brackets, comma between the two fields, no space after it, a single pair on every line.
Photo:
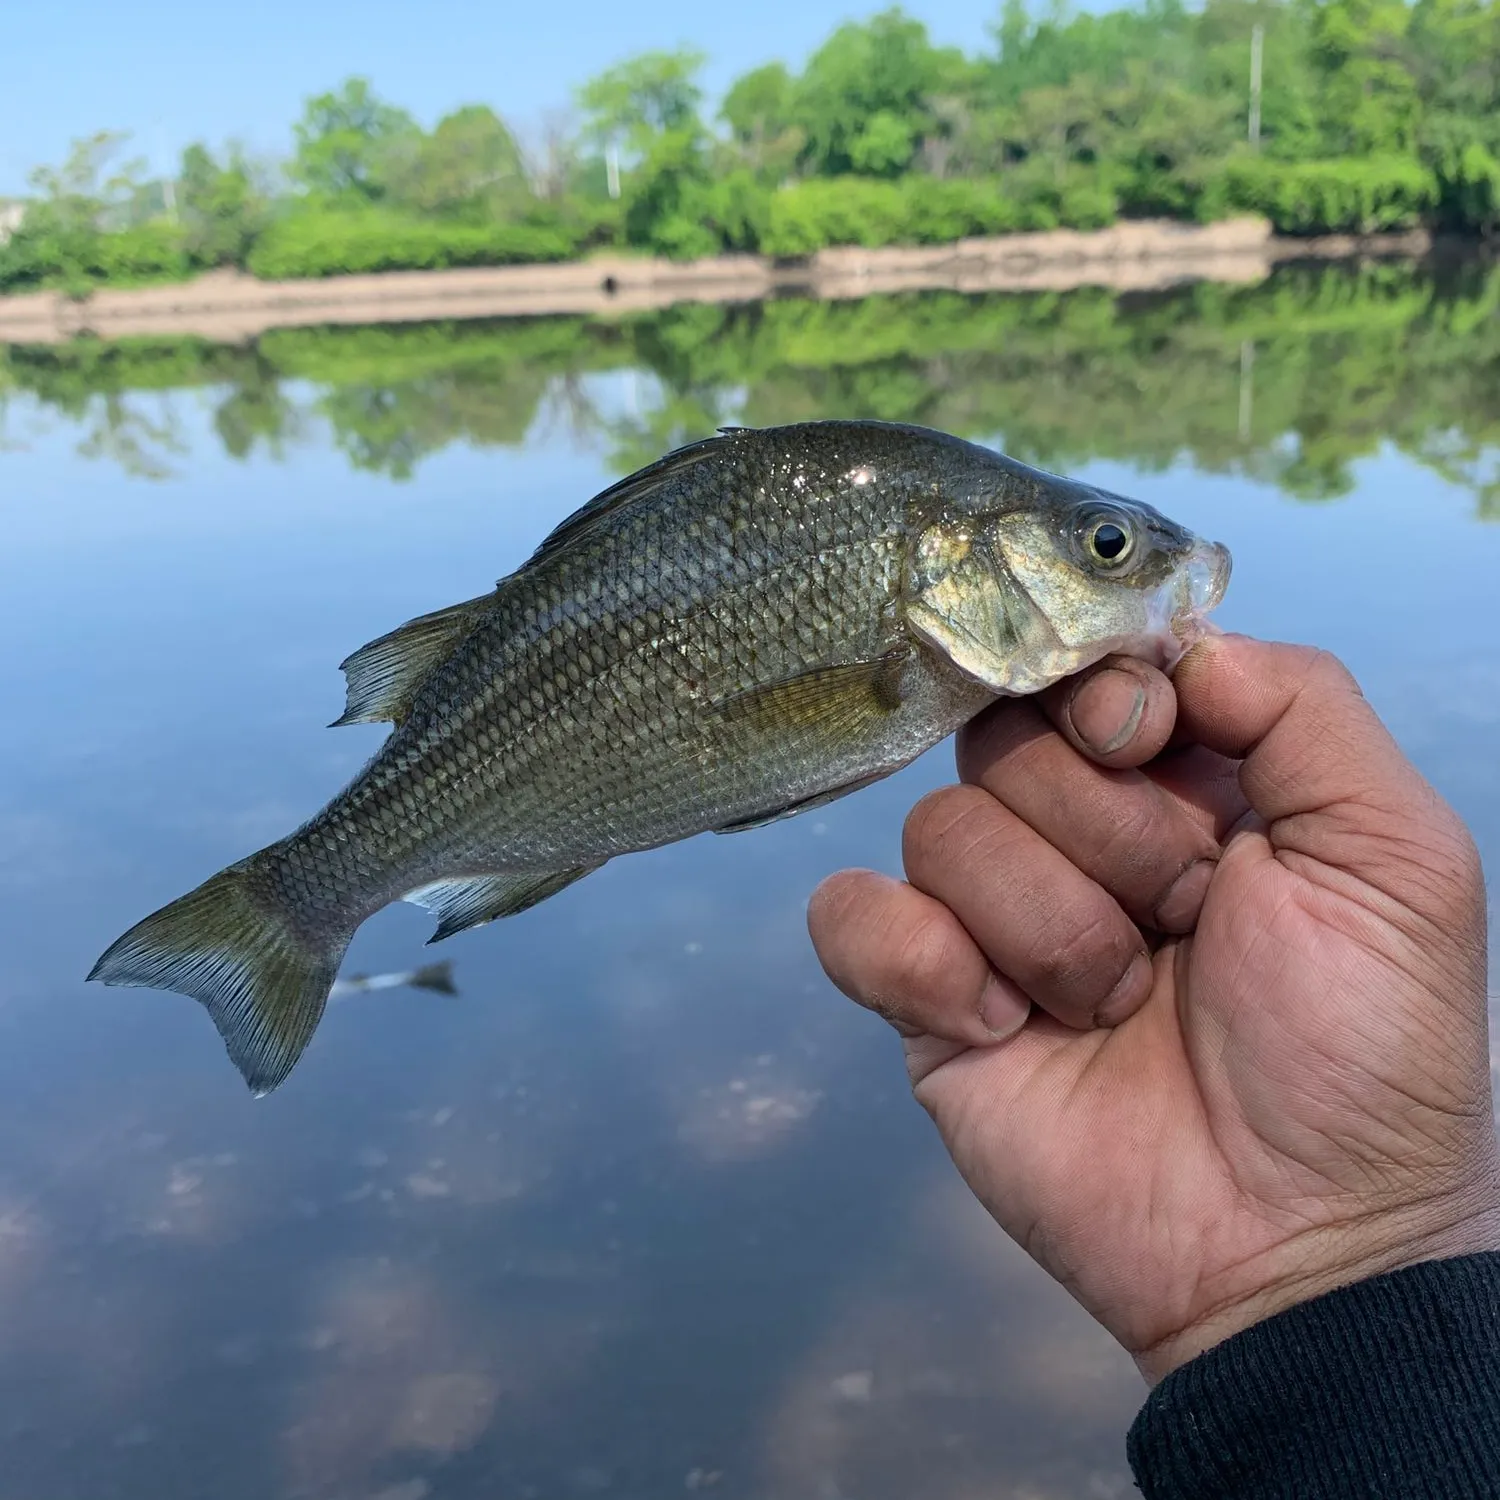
[1289,381]
[644,1209]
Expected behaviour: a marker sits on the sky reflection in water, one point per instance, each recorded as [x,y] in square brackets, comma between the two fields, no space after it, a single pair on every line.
[646,1208]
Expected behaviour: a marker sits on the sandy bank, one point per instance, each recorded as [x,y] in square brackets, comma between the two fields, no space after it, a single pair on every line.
[229,306]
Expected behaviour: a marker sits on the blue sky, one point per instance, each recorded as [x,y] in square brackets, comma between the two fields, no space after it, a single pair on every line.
[171,71]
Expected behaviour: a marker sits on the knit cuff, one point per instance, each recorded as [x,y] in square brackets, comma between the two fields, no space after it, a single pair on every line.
[1388,1387]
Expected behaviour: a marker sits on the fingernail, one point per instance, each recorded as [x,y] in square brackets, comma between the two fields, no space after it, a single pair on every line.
[1126,997]
[1002,1008]
[1178,910]
[1106,709]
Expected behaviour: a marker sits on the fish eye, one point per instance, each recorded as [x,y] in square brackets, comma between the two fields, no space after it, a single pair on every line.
[1109,541]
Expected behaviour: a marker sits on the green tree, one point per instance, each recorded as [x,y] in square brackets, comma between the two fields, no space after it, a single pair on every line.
[221,207]
[759,112]
[469,167]
[1370,104]
[864,101]
[1454,47]
[61,236]
[643,97]
[349,142]
[1290,127]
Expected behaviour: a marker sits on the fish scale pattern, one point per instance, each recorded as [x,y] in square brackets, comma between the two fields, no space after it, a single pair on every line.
[582,717]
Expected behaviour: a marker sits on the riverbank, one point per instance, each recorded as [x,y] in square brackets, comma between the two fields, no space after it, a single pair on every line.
[231,307]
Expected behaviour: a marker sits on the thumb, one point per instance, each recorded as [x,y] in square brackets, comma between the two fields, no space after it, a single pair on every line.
[1326,776]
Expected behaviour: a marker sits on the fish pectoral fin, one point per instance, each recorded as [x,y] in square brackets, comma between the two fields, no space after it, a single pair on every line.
[791,809]
[474,900]
[838,698]
[382,677]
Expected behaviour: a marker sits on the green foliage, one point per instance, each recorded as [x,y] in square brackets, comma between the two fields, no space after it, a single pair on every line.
[677,207]
[864,103]
[43,256]
[220,208]
[917,210]
[1374,114]
[654,94]
[668,195]
[62,241]
[35,258]
[809,215]
[1370,97]
[349,141]
[1334,197]
[759,112]
[316,242]
[1464,154]
[470,167]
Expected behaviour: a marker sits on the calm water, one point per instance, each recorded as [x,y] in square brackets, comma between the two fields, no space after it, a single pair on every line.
[646,1208]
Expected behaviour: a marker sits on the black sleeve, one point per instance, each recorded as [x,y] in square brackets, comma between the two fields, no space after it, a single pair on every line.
[1389,1387]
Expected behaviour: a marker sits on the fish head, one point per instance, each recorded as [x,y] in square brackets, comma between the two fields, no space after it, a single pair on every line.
[1019,596]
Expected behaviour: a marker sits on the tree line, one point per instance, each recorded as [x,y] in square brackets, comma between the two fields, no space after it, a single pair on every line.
[1291,382]
[1324,115]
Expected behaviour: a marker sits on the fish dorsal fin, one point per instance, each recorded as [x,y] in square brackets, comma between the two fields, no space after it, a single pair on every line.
[472,900]
[836,699]
[382,677]
[633,487]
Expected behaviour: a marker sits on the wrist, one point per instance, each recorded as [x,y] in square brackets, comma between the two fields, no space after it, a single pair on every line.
[1323,1260]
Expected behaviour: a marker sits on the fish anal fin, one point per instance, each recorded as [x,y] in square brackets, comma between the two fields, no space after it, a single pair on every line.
[383,677]
[792,809]
[839,698]
[473,900]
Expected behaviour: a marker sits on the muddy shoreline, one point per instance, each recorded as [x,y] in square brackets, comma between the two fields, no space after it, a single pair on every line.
[231,307]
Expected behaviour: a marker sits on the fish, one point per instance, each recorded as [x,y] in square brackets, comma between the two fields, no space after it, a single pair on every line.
[754,625]
[435,977]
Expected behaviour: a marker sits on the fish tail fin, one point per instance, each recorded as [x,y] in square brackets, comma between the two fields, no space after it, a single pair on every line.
[236,945]
[436,977]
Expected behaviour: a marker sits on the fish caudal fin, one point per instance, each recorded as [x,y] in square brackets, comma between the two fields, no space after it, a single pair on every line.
[436,977]
[259,974]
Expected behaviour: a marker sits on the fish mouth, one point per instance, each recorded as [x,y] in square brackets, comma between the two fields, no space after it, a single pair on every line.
[1197,587]
[1201,584]
[1207,576]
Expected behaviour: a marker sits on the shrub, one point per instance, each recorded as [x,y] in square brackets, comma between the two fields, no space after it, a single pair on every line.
[1345,195]
[328,243]
[1469,182]
[42,256]
[926,211]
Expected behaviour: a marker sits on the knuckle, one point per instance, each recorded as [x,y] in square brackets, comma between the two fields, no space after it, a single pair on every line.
[1133,844]
[1320,668]
[1460,862]
[1085,962]
[940,828]
[926,954]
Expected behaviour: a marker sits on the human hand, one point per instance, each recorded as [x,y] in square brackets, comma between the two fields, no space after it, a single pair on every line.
[1204,1026]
